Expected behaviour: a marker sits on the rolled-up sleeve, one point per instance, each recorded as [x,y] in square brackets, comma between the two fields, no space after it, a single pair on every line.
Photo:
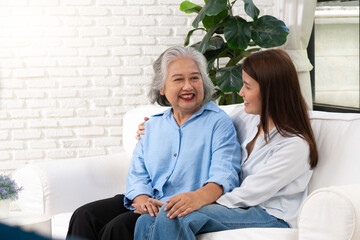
[226,156]
[138,180]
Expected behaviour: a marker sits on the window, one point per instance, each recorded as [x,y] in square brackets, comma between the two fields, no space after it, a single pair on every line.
[334,52]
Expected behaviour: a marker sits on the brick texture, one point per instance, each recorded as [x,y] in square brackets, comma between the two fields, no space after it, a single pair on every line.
[70,69]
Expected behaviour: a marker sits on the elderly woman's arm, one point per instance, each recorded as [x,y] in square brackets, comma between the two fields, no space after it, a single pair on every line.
[138,185]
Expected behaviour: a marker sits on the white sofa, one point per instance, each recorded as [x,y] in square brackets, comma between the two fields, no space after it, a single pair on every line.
[331,211]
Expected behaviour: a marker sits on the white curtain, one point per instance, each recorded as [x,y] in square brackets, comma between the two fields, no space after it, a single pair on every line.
[298,16]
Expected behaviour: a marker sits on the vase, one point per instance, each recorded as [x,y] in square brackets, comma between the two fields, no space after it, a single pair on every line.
[4,208]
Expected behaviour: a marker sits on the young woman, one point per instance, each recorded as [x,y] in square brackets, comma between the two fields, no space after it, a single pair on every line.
[278,155]
[189,156]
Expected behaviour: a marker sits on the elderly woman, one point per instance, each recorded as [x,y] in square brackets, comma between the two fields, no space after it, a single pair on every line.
[279,153]
[188,157]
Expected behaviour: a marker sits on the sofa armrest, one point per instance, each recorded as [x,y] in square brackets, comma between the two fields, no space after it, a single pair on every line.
[331,213]
[57,186]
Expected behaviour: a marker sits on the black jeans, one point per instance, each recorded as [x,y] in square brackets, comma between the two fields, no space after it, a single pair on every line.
[103,220]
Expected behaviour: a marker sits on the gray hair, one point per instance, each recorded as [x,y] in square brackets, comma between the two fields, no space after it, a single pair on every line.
[160,72]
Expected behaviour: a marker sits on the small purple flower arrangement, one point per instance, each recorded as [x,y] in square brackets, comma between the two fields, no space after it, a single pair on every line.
[8,188]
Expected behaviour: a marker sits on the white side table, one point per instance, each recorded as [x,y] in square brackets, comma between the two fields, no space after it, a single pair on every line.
[38,223]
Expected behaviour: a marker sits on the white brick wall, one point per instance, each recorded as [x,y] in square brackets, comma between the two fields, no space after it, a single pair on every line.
[70,69]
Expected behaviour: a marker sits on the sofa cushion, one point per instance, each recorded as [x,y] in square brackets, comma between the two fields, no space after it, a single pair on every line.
[252,234]
[60,225]
[334,209]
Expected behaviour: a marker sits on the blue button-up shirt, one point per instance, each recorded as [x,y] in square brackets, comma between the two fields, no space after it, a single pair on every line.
[169,159]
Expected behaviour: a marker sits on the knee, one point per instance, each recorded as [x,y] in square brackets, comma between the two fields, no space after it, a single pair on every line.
[162,217]
[80,214]
[80,223]
[144,219]
[85,213]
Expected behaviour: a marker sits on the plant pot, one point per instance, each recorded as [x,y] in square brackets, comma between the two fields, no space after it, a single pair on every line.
[4,208]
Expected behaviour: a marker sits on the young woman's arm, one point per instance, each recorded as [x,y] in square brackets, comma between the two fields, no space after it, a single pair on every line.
[285,169]
[141,128]
[185,203]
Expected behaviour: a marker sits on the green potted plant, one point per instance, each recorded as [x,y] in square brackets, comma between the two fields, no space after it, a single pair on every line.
[9,191]
[231,38]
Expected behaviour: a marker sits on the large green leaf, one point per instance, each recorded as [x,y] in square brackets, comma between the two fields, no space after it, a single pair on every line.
[215,43]
[214,7]
[210,21]
[229,79]
[251,9]
[269,31]
[216,46]
[204,44]
[212,44]
[237,32]
[190,33]
[199,17]
[189,7]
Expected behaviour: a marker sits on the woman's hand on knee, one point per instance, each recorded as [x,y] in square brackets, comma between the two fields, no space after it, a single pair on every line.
[150,206]
[182,204]
[144,208]
[157,203]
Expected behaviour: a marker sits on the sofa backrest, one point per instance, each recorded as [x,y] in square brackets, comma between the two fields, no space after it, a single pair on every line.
[131,120]
[54,186]
[337,136]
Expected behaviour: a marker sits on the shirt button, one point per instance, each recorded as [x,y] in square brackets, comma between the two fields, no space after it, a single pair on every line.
[175,154]
[158,197]
[167,177]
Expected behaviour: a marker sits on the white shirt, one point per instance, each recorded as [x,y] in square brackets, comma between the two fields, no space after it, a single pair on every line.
[276,174]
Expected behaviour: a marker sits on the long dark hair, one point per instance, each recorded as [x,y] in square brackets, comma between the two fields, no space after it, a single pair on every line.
[281,96]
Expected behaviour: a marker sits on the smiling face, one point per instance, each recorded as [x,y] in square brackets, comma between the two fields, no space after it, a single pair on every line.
[250,92]
[184,86]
